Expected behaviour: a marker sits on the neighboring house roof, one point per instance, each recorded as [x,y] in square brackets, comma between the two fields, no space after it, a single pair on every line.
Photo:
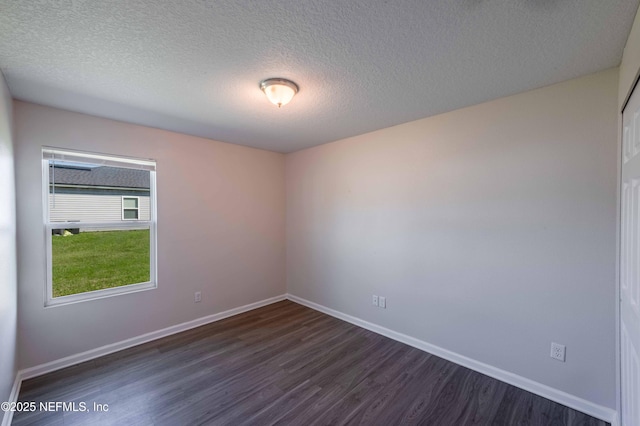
[99,176]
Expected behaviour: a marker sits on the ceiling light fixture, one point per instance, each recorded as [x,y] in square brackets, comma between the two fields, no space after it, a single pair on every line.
[279,90]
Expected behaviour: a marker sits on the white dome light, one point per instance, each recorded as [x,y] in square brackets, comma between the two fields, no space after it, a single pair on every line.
[278,90]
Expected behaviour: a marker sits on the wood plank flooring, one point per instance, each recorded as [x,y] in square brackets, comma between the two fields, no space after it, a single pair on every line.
[284,364]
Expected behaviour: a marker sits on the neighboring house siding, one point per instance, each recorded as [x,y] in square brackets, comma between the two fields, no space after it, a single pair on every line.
[92,207]
[81,192]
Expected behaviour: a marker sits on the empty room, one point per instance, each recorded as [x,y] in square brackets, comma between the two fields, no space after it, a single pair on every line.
[320,212]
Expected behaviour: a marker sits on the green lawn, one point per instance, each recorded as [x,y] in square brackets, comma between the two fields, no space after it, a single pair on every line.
[97,260]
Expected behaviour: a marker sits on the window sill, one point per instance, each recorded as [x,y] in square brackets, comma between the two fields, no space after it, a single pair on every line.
[99,294]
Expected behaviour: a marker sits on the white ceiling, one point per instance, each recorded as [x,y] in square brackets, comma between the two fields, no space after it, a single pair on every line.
[194,66]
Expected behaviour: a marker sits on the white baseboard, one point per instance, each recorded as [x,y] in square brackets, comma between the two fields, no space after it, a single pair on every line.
[13,397]
[561,397]
[48,367]
[615,421]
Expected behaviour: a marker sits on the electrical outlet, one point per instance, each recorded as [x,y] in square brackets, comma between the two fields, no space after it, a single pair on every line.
[198,297]
[558,351]
[375,300]
[382,302]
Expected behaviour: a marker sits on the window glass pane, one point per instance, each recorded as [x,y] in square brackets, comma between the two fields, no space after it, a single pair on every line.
[130,203]
[85,192]
[130,214]
[84,260]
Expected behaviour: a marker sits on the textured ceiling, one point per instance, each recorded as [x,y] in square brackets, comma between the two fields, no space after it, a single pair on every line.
[194,66]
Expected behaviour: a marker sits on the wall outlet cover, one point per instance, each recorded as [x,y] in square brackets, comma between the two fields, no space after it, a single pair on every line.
[558,351]
[382,302]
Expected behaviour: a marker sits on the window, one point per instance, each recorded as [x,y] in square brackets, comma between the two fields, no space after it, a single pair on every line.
[100,225]
[130,208]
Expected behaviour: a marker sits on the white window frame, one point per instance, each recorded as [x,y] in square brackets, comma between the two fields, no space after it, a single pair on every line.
[137,209]
[49,153]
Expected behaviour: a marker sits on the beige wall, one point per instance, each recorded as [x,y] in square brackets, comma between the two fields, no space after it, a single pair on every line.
[220,231]
[8,282]
[490,230]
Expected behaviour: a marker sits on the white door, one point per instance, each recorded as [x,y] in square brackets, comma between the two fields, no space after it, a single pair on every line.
[630,263]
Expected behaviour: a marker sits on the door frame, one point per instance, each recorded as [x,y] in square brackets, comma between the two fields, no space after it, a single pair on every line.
[618,350]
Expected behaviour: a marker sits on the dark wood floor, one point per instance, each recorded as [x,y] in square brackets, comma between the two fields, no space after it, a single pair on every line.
[284,364]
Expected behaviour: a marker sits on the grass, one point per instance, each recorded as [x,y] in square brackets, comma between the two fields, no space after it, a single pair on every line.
[97,260]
